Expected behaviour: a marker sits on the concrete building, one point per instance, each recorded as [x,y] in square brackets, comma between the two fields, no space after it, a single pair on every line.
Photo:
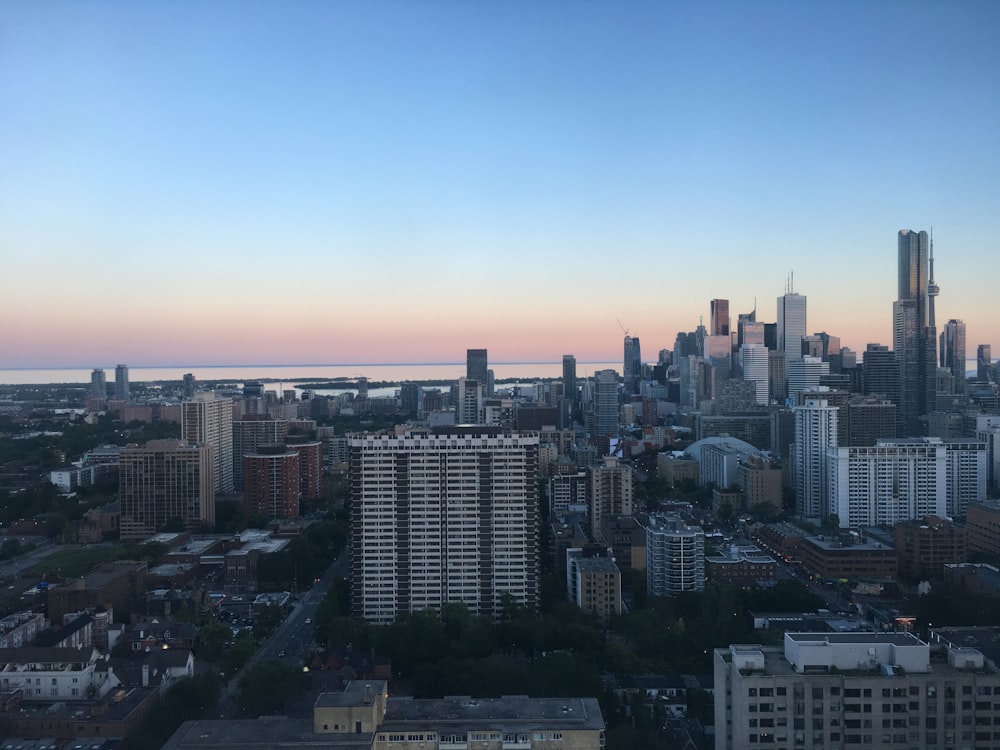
[609,492]
[926,545]
[754,364]
[744,566]
[804,374]
[469,398]
[208,420]
[791,324]
[568,493]
[760,481]
[272,480]
[853,690]
[164,482]
[122,390]
[815,435]
[98,384]
[442,516]
[116,585]
[982,523]
[675,556]
[594,584]
[251,432]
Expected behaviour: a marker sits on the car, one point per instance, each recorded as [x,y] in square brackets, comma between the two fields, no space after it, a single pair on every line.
[309,621]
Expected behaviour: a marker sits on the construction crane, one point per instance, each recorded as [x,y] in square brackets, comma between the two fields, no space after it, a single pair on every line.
[622,326]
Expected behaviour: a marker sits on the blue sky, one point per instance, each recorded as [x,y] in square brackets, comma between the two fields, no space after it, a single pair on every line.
[224,182]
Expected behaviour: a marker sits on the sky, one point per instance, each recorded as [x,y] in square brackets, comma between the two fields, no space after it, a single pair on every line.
[375,182]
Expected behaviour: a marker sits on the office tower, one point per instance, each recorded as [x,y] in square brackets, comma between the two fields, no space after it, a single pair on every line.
[633,365]
[271,482]
[609,493]
[815,435]
[984,363]
[189,385]
[804,374]
[469,400]
[675,556]
[98,384]
[121,383]
[718,351]
[831,344]
[569,379]
[249,433]
[869,419]
[771,336]
[443,516]
[208,420]
[914,336]
[720,317]
[664,357]
[605,403]
[812,346]
[754,364]
[165,484]
[853,691]
[476,366]
[409,399]
[791,324]
[953,351]
[750,332]
[880,373]
[777,375]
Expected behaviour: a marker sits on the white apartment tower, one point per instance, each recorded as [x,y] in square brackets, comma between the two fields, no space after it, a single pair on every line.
[906,479]
[675,556]
[121,383]
[208,420]
[469,401]
[443,516]
[98,384]
[815,435]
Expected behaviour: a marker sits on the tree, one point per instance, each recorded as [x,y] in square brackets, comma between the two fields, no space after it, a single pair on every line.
[266,688]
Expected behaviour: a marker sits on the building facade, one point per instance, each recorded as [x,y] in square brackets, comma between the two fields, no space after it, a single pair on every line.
[444,516]
[914,336]
[208,420]
[815,435]
[675,556]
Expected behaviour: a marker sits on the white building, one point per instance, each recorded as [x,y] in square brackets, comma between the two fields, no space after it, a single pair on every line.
[906,479]
[469,402]
[444,516]
[753,360]
[56,674]
[675,556]
[815,435]
[208,420]
[791,325]
[804,374]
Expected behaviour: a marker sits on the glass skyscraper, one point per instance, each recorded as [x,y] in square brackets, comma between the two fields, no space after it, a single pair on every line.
[914,334]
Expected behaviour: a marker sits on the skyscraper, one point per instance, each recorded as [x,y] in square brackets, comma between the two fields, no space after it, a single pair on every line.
[476,366]
[914,334]
[121,382]
[605,403]
[753,362]
[208,420]
[720,317]
[984,363]
[815,435]
[98,384]
[569,379]
[791,324]
[165,482]
[953,351]
[443,516]
[633,365]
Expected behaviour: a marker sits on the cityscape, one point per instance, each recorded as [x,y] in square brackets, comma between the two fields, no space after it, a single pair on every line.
[499,376]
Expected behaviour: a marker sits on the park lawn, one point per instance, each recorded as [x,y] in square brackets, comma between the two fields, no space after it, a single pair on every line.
[73,563]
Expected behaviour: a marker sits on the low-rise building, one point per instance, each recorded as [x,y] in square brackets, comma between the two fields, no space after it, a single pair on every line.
[925,546]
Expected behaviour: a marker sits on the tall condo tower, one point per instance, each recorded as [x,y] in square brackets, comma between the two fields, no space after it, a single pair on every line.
[207,420]
[121,382]
[984,363]
[815,435]
[633,364]
[98,384]
[791,323]
[569,379]
[953,351]
[605,403]
[443,516]
[913,331]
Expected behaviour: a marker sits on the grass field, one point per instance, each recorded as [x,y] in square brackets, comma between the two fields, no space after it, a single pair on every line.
[73,563]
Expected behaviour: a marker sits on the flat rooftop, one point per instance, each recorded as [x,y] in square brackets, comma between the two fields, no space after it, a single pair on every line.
[517,712]
[265,733]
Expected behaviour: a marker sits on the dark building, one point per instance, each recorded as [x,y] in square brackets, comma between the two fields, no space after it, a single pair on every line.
[476,365]
[914,339]
[925,546]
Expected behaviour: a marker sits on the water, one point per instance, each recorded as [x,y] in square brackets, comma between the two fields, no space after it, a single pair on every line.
[302,373]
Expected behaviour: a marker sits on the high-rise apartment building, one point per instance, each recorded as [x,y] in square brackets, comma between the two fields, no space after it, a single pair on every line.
[208,420]
[632,373]
[609,492]
[605,403]
[815,435]
[476,366]
[272,482]
[165,483]
[469,402]
[675,556]
[121,383]
[914,335]
[953,351]
[720,317]
[984,363]
[443,516]
[249,433]
[791,324]
[98,384]
[569,379]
